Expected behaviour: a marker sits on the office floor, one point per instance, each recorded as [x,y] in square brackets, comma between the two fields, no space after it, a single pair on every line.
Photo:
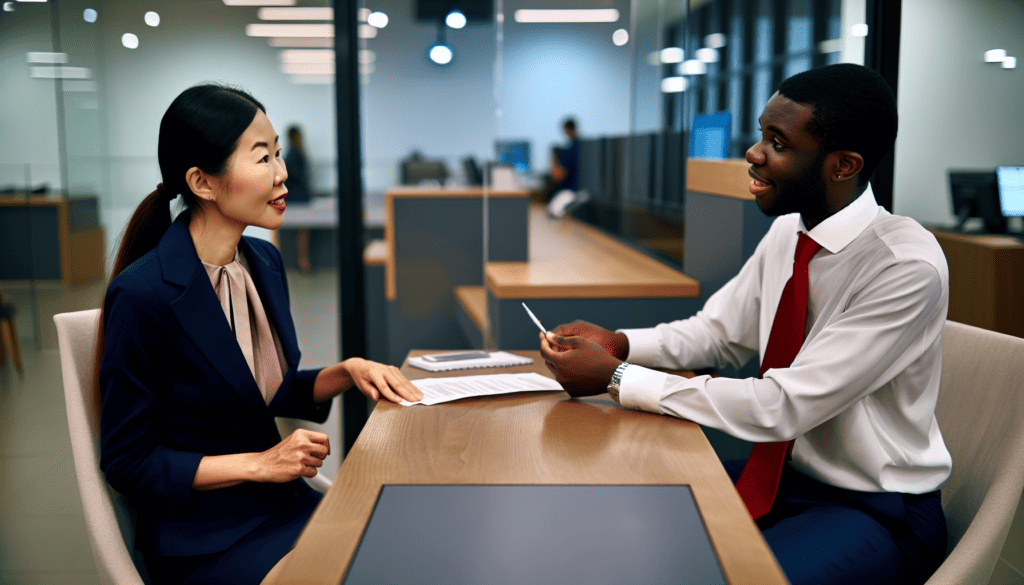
[43,539]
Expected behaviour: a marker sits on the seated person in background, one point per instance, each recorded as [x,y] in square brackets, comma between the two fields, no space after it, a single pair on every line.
[199,354]
[849,335]
[299,191]
[565,163]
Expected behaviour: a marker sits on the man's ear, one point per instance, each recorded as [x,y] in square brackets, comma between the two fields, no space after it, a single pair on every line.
[200,183]
[844,164]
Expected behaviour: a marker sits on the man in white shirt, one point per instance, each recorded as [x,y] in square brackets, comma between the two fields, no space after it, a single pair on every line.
[858,502]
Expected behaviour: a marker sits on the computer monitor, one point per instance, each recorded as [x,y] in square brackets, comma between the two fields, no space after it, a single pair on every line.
[710,135]
[515,153]
[975,195]
[1011,190]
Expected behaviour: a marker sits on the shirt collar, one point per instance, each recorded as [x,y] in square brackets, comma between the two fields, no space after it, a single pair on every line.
[841,228]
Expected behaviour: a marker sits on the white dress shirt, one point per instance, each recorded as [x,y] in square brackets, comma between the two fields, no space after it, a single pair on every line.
[860,396]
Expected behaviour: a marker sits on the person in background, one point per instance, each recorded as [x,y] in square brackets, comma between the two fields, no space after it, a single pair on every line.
[845,303]
[565,163]
[299,191]
[198,354]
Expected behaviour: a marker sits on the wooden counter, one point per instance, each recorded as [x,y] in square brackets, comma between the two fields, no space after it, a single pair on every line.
[570,259]
[529,438]
[67,242]
[986,280]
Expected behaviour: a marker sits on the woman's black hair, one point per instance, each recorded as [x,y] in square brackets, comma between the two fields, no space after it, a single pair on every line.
[200,129]
[854,109]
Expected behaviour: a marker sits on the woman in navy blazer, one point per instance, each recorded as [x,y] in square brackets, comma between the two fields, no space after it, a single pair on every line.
[187,436]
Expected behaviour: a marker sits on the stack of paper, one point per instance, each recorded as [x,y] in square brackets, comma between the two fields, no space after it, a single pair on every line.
[438,390]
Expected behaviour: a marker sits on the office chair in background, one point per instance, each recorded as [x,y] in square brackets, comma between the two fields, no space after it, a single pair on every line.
[980,412]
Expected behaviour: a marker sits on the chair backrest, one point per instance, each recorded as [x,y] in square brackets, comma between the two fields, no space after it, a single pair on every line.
[107,518]
[981,415]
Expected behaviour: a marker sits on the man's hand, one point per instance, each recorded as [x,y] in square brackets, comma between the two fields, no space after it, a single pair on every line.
[616,344]
[581,366]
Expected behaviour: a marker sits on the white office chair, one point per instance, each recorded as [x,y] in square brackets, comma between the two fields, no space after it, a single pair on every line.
[107,517]
[981,415]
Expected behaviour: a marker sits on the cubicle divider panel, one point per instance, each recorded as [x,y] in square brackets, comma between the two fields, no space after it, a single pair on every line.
[30,239]
[438,245]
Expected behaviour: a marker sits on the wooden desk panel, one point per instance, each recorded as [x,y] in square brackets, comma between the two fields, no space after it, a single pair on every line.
[570,259]
[529,438]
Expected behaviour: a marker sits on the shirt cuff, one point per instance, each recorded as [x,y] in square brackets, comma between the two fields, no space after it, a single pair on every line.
[641,387]
[644,346]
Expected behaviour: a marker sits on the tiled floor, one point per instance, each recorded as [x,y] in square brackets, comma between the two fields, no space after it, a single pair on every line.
[43,538]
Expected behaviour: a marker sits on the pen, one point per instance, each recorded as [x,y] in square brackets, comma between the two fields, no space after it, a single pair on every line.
[536,320]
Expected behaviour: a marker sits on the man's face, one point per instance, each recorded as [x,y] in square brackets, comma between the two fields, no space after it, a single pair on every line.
[786,164]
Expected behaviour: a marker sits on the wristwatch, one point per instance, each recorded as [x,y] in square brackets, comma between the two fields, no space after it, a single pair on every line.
[613,386]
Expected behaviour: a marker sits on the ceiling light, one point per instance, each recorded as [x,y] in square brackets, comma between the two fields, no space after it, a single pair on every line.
[859,30]
[312,79]
[1010,63]
[692,67]
[152,18]
[259,2]
[89,15]
[289,30]
[364,13]
[455,19]
[995,55]
[130,41]
[673,85]
[31,0]
[707,55]
[620,37]
[671,55]
[367,68]
[308,68]
[8,6]
[367,31]
[60,72]
[301,42]
[830,46]
[440,54]
[307,56]
[715,41]
[33,57]
[377,19]
[583,15]
[305,13]
[367,56]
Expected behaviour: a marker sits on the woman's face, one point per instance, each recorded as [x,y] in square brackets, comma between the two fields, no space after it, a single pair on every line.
[252,191]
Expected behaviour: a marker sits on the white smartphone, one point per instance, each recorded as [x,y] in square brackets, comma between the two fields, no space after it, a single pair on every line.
[454,357]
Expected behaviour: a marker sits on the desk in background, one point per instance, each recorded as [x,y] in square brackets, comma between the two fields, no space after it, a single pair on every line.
[525,439]
[49,238]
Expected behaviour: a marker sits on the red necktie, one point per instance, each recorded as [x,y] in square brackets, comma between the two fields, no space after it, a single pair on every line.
[759,481]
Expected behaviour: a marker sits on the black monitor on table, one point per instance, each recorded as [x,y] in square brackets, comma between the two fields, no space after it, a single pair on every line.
[975,194]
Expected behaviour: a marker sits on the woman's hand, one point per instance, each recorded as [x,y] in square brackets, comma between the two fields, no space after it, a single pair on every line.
[381,381]
[298,455]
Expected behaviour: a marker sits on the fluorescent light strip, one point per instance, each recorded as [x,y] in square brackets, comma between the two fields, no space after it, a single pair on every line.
[584,15]
[289,30]
[259,2]
[308,68]
[31,0]
[60,72]
[307,56]
[312,79]
[46,57]
[307,13]
[301,42]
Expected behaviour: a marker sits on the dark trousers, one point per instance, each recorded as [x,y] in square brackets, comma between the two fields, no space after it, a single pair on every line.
[249,560]
[824,535]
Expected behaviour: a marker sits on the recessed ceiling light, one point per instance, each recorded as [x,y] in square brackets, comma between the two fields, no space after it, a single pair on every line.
[289,30]
[859,30]
[715,41]
[673,85]
[8,6]
[377,19]
[130,41]
[692,67]
[61,72]
[455,19]
[40,57]
[707,55]
[152,18]
[367,31]
[671,55]
[301,42]
[620,37]
[583,15]
[259,2]
[308,68]
[307,56]
[303,13]
[440,54]
[995,55]
[1010,63]
[89,15]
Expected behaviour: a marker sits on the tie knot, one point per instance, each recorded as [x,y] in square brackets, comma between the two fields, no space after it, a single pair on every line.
[806,248]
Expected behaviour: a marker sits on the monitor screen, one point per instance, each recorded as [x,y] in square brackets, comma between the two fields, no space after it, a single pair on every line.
[974,194]
[710,135]
[515,153]
[1011,190]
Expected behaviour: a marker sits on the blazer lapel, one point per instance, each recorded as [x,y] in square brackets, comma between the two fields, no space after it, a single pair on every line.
[272,288]
[200,315]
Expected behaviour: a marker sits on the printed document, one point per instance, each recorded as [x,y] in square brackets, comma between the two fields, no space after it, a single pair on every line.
[438,390]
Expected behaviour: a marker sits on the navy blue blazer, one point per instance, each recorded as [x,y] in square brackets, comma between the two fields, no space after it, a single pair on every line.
[176,388]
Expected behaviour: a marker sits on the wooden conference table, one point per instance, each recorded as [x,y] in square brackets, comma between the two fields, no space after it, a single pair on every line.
[529,438]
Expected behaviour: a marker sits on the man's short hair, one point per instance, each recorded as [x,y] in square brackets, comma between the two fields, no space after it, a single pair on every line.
[569,123]
[854,109]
